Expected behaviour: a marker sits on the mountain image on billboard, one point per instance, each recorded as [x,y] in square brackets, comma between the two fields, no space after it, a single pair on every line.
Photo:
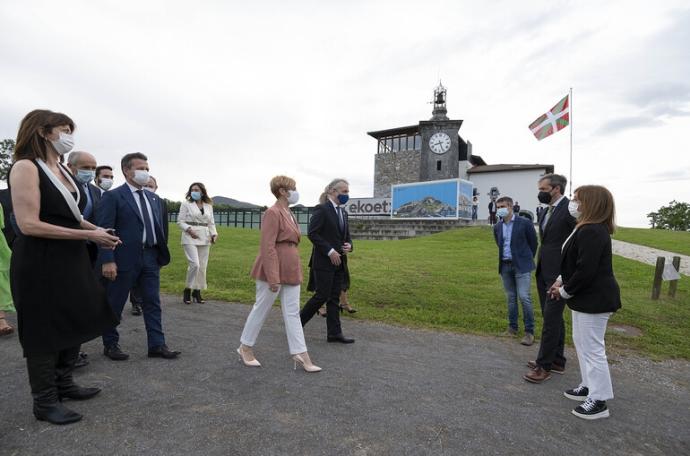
[427,207]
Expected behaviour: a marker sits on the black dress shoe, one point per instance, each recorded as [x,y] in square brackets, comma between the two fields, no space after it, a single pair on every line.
[55,413]
[113,352]
[81,360]
[136,309]
[77,393]
[163,352]
[340,338]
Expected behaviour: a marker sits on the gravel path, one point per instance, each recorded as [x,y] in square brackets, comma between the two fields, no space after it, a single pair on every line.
[396,391]
[648,255]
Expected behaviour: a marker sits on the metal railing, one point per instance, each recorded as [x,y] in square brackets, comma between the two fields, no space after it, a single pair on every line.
[250,218]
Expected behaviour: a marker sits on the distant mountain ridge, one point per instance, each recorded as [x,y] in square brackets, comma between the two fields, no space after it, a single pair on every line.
[234,203]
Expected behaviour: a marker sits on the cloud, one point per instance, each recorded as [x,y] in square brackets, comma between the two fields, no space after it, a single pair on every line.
[626,123]
[671,175]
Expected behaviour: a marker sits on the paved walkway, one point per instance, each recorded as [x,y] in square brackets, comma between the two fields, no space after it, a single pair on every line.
[395,391]
[648,255]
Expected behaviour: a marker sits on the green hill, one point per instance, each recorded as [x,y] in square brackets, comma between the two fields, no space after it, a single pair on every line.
[447,281]
[672,241]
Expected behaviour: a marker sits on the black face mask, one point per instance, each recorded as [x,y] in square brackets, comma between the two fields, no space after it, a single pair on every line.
[544,197]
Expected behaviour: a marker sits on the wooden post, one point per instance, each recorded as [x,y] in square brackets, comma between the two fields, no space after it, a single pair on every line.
[673,285]
[656,286]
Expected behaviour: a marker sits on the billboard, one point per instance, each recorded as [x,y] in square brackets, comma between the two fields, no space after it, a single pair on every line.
[426,200]
[465,189]
[368,206]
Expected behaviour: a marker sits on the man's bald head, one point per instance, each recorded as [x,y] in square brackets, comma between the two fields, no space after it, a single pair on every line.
[81,160]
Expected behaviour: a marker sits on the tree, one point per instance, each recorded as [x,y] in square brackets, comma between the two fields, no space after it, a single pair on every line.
[675,216]
[6,151]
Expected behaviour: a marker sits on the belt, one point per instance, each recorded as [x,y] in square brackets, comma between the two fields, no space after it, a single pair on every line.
[507,261]
[196,224]
[288,243]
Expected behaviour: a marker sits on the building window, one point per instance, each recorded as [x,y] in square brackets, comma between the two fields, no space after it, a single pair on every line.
[438,165]
[418,142]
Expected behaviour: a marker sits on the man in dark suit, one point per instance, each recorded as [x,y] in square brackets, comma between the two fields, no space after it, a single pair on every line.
[135,297]
[104,178]
[492,211]
[82,165]
[329,233]
[555,225]
[517,244]
[6,202]
[134,214]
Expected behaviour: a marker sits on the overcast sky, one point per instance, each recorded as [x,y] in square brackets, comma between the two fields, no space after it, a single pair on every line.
[233,93]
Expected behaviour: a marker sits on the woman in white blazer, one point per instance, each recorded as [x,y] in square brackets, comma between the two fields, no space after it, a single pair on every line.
[198,233]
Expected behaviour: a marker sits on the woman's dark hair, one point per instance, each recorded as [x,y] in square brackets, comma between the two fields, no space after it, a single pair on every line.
[30,142]
[204,194]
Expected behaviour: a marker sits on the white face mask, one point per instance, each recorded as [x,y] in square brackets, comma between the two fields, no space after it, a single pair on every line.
[293,196]
[573,208]
[106,184]
[141,176]
[64,143]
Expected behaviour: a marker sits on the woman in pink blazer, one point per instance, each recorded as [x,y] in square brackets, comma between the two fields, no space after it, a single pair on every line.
[278,272]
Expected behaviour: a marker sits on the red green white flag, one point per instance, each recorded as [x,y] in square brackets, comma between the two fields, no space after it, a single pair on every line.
[554,120]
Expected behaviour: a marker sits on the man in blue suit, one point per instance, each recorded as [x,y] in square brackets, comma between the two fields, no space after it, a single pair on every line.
[517,245]
[135,216]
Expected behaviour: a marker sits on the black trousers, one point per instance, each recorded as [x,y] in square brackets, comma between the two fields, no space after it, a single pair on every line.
[328,285]
[50,373]
[551,348]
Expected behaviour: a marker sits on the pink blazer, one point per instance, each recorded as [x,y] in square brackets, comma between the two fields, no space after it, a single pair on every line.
[278,260]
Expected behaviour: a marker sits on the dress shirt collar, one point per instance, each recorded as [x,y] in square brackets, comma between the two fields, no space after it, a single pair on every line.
[558,201]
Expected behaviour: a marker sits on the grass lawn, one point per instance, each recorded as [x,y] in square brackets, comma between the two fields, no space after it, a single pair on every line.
[672,241]
[447,281]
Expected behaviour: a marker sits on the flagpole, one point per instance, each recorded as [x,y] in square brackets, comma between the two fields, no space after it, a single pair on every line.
[570,102]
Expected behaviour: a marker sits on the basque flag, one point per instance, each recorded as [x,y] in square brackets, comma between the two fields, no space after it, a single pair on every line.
[554,120]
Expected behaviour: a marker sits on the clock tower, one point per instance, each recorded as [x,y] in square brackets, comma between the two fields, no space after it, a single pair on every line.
[429,150]
[440,142]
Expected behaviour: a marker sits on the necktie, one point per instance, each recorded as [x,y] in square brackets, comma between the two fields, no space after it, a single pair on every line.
[148,227]
[547,216]
[341,222]
[89,205]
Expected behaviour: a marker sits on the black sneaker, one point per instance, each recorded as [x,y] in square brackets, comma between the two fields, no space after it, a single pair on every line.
[577,394]
[591,410]
[136,309]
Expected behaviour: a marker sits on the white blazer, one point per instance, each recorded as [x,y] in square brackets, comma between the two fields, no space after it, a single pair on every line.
[202,225]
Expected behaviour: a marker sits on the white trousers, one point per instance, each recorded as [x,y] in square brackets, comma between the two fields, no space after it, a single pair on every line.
[289,303]
[588,336]
[197,259]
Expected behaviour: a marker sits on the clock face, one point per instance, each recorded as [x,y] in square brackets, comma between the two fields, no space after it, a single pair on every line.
[439,143]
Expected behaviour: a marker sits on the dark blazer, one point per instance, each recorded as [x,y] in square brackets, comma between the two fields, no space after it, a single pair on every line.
[325,234]
[587,271]
[559,227]
[6,202]
[164,217]
[95,193]
[119,210]
[523,244]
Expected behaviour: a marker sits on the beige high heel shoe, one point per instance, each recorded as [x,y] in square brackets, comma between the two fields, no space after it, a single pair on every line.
[252,363]
[307,365]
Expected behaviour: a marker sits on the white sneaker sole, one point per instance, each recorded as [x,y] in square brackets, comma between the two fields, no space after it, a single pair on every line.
[573,397]
[596,416]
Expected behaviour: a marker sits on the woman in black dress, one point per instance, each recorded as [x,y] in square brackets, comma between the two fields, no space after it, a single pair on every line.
[59,302]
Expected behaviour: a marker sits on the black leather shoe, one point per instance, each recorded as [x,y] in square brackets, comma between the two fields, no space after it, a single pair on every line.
[81,360]
[55,413]
[113,352]
[340,338]
[163,352]
[77,393]
[136,309]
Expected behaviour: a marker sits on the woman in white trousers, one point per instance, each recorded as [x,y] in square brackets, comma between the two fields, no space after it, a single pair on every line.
[278,273]
[198,233]
[590,289]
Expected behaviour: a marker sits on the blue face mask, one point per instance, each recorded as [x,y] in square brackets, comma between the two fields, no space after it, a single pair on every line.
[502,212]
[196,196]
[85,176]
[342,199]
